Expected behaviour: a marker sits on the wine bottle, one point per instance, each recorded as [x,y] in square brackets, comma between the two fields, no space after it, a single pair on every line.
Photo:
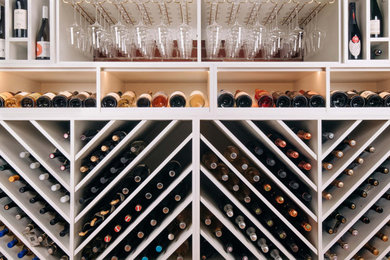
[197,99]
[264,98]
[30,100]
[89,134]
[372,99]
[376,53]
[327,195]
[355,41]
[262,243]
[302,134]
[160,99]
[144,100]
[251,232]
[241,164]
[338,98]
[20,19]
[365,219]
[275,254]
[90,101]
[79,99]
[2,46]
[349,204]
[297,99]
[240,221]
[382,236]
[354,99]
[376,20]
[111,99]
[127,99]
[177,99]
[377,208]
[4,95]
[278,140]
[228,208]
[281,99]
[385,95]
[62,98]
[225,99]
[343,244]
[45,100]
[371,249]
[314,99]
[210,160]
[43,37]
[330,255]
[15,101]
[353,231]
[242,99]
[327,136]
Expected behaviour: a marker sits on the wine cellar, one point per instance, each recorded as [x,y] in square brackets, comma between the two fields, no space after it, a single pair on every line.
[210,178]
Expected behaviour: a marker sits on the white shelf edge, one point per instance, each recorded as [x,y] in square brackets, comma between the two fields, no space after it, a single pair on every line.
[143,215]
[160,228]
[354,155]
[134,193]
[177,243]
[50,138]
[259,195]
[233,229]
[247,213]
[215,244]
[340,138]
[19,139]
[126,170]
[301,144]
[139,127]
[280,154]
[265,170]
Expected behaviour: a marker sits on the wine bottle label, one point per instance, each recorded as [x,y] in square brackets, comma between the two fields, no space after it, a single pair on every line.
[375,27]
[145,95]
[2,48]
[367,93]
[355,46]
[5,95]
[65,93]
[85,93]
[35,95]
[50,95]
[22,94]
[20,19]
[129,94]
[384,94]
[43,49]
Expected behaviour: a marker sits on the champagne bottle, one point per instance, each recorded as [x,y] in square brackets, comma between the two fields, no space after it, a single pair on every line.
[225,99]
[43,37]
[355,45]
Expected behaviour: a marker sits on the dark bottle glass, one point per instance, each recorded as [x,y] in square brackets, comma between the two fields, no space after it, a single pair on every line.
[385,97]
[144,100]
[78,100]
[111,99]
[46,100]
[338,98]
[43,37]
[177,99]
[89,134]
[225,99]
[355,40]
[62,98]
[20,19]
[281,99]
[90,101]
[376,20]
[297,99]
[372,99]
[264,98]
[314,99]
[242,99]
[354,99]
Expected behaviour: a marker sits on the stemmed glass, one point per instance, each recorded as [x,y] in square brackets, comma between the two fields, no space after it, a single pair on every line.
[118,30]
[297,37]
[142,42]
[276,38]
[235,43]
[95,29]
[317,36]
[184,39]
[163,39]
[74,29]
[257,40]
[213,34]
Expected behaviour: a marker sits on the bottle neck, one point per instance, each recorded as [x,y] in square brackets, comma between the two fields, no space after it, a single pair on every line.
[353,15]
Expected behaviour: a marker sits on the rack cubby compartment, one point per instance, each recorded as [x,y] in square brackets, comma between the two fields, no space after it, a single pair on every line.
[150,80]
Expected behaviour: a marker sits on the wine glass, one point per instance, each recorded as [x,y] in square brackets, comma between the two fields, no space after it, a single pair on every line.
[235,43]
[95,29]
[297,37]
[74,29]
[118,29]
[257,37]
[276,38]
[317,36]
[213,34]
[184,39]
[163,34]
